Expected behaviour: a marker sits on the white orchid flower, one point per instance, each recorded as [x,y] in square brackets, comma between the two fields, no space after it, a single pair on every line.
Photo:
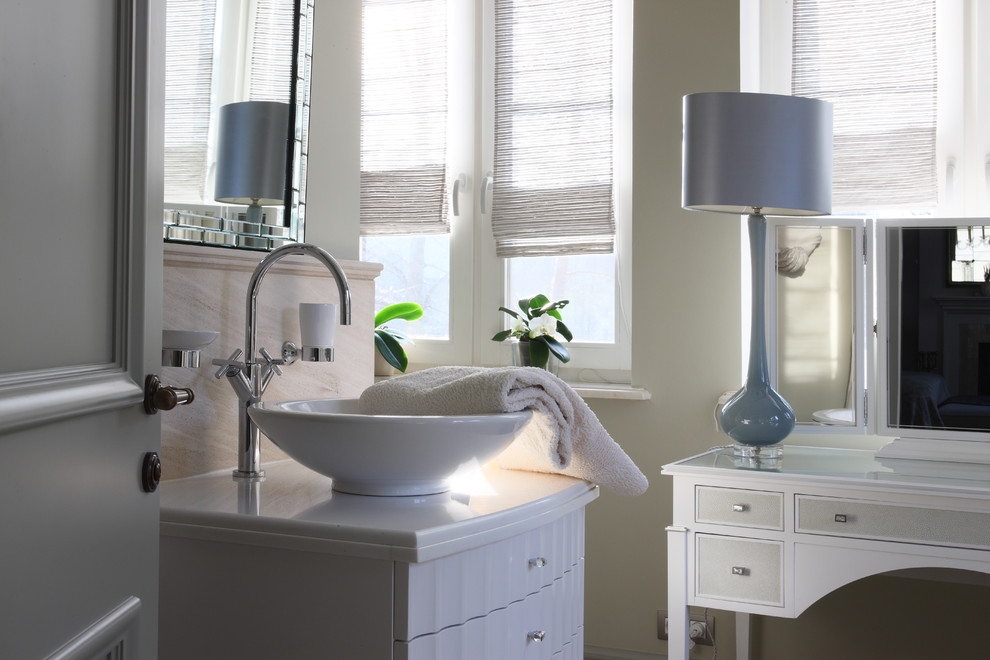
[544,324]
[519,327]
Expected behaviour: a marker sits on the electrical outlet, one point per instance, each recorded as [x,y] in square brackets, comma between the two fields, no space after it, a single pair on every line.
[701,632]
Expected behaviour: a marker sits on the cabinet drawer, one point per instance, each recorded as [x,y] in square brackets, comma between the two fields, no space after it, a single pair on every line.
[540,627]
[737,506]
[448,591]
[746,570]
[896,522]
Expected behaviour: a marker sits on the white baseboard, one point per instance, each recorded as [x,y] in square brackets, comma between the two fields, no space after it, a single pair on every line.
[602,653]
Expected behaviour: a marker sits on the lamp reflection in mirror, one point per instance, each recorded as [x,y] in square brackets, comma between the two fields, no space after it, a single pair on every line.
[251,152]
[757,154]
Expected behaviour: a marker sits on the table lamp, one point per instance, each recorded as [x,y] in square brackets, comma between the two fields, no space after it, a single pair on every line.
[757,154]
[251,153]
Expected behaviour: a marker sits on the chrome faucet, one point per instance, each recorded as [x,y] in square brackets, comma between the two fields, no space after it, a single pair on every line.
[250,378]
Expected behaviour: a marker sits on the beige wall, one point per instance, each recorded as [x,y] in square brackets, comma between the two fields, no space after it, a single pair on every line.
[686,350]
[686,319]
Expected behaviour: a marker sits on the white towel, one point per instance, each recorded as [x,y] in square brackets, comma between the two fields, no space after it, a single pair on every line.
[563,437]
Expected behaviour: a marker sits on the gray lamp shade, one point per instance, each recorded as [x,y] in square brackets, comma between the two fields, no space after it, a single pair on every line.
[251,153]
[745,151]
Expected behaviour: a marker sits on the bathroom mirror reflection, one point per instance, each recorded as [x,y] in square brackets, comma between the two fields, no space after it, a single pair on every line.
[229,51]
[816,353]
[938,345]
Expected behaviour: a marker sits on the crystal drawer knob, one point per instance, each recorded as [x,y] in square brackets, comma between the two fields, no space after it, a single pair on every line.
[740,570]
[538,562]
[537,636]
[841,518]
[739,508]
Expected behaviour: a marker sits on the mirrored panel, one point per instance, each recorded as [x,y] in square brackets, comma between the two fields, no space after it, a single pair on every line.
[937,367]
[970,255]
[220,53]
[816,351]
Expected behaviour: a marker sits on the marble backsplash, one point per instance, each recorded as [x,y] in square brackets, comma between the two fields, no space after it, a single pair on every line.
[206,289]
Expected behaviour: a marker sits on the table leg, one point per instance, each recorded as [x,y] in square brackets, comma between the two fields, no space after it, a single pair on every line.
[677,593]
[742,636]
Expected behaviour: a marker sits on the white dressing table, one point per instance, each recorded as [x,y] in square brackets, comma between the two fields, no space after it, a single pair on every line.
[774,538]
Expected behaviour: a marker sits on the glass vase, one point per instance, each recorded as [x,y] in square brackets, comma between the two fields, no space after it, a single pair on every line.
[520,357]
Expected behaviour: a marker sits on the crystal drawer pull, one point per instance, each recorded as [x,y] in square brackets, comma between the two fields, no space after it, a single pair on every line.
[739,508]
[840,518]
[536,636]
[538,562]
[740,570]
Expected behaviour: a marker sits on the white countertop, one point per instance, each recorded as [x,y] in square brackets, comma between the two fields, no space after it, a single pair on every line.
[856,467]
[294,507]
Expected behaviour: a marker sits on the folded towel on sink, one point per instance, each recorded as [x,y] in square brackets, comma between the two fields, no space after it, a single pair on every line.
[563,437]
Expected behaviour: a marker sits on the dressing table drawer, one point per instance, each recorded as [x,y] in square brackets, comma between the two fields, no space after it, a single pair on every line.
[747,570]
[738,506]
[881,520]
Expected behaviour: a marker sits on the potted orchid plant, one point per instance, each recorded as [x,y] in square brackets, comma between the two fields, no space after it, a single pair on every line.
[535,329]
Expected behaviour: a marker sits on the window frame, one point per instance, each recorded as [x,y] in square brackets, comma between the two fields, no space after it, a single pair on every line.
[476,273]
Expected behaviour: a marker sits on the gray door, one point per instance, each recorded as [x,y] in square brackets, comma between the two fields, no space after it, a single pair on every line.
[80,307]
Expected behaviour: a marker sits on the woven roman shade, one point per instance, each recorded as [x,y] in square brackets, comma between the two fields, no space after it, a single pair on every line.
[404,118]
[271,51]
[876,62]
[553,178]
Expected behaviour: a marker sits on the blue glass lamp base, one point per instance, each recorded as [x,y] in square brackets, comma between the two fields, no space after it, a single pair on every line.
[758,419]
[756,416]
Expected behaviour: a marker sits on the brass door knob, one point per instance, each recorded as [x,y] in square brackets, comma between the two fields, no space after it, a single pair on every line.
[164,397]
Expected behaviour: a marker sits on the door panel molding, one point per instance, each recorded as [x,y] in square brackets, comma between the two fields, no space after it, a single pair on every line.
[110,638]
[29,398]
[61,395]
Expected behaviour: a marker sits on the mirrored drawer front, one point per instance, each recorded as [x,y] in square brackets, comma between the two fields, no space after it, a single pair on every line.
[736,506]
[878,520]
[746,570]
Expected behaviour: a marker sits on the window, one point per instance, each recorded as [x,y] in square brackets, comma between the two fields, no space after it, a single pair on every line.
[460,269]
[909,84]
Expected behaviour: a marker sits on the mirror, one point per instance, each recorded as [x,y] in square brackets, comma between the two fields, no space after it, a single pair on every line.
[937,368]
[814,312]
[227,51]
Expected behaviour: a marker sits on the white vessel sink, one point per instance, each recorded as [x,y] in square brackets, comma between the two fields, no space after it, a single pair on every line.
[383,454]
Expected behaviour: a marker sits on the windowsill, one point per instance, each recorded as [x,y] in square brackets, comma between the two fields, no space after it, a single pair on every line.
[622,391]
[586,390]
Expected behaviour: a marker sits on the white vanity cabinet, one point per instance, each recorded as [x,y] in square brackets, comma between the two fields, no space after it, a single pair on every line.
[772,538]
[285,568]
[521,597]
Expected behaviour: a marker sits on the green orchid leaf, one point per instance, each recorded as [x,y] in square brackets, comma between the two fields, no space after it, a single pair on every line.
[502,336]
[536,302]
[557,349]
[524,306]
[408,311]
[514,314]
[564,331]
[551,308]
[391,350]
[539,352]
[399,336]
